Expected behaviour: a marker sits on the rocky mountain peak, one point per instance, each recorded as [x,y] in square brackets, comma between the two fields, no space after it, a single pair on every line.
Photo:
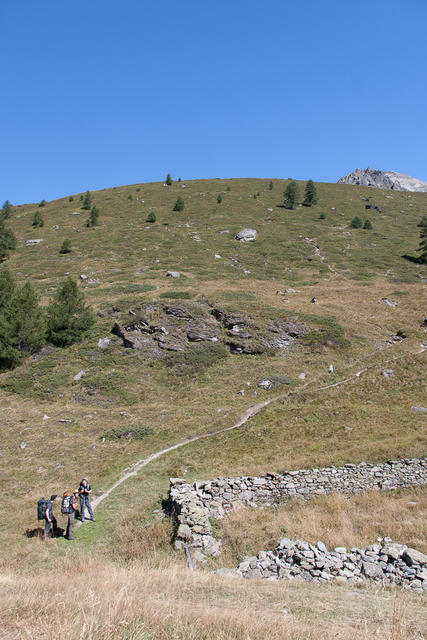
[384,180]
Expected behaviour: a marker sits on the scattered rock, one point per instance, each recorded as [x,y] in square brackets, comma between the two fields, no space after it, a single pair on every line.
[31,243]
[331,368]
[46,417]
[75,213]
[301,376]
[313,300]
[388,302]
[246,235]
[173,274]
[79,375]
[65,420]
[83,277]
[23,445]
[55,227]
[103,342]
[241,392]
[388,373]
[420,409]
[265,383]
[412,556]
[217,256]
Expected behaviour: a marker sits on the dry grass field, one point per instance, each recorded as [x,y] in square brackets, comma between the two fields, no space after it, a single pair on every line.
[55,430]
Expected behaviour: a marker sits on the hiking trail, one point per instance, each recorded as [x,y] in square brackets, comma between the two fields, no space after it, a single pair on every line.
[245,417]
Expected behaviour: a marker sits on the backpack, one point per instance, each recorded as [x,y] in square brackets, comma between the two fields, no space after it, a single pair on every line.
[66,502]
[41,509]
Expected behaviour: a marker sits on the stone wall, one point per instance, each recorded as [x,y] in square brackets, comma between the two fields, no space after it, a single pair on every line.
[194,504]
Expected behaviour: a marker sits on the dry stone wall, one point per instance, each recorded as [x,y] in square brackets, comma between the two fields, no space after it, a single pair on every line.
[193,504]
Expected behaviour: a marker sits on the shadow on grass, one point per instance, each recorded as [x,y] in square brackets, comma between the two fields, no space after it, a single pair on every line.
[413,259]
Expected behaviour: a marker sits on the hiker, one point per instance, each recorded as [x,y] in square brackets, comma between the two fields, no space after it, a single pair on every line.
[50,520]
[71,515]
[84,491]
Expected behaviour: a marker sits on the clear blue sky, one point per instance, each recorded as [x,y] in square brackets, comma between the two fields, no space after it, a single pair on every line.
[98,93]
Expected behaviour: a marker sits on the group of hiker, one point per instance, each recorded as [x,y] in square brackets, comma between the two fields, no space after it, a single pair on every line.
[69,506]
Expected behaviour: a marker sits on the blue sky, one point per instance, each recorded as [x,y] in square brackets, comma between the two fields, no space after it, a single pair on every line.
[99,93]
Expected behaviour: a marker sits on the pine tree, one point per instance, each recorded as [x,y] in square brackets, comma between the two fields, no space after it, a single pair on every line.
[367,224]
[270,186]
[322,216]
[168,180]
[179,204]
[22,323]
[42,203]
[37,220]
[68,318]
[423,244]
[356,223]
[92,221]
[7,287]
[6,210]
[291,195]
[87,201]
[7,241]
[422,222]
[151,217]
[310,195]
[66,246]
[219,198]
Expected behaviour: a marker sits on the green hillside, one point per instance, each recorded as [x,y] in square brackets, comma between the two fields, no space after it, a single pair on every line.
[129,403]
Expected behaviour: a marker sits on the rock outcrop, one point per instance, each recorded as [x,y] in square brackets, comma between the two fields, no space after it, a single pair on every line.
[384,180]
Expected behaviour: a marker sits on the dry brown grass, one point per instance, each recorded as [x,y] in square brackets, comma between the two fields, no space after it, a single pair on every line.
[337,520]
[85,600]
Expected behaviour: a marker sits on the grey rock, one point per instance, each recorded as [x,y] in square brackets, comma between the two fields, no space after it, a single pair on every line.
[32,243]
[322,547]
[79,375]
[384,180]
[173,274]
[388,302]
[372,570]
[83,277]
[246,235]
[412,556]
[23,445]
[103,342]
[419,409]
[393,550]
[265,383]
[75,213]
[388,373]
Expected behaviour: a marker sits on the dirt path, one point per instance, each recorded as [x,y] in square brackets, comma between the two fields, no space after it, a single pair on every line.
[247,415]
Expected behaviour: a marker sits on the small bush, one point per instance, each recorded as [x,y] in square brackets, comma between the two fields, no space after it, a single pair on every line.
[356,223]
[270,186]
[151,217]
[219,198]
[132,432]
[367,224]
[176,295]
[228,188]
[195,359]
[330,334]
[66,246]
[322,216]
[168,180]
[70,199]
[130,197]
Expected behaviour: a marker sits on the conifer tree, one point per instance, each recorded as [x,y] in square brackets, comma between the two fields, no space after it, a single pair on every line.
[92,221]
[270,186]
[151,217]
[22,323]
[367,224]
[423,244]
[168,180]
[87,201]
[68,318]
[310,195]
[66,246]
[7,241]
[37,220]
[6,210]
[291,195]
[219,198]
[42,203]
[422,222]
[356,223]
[7,287]
[179,204]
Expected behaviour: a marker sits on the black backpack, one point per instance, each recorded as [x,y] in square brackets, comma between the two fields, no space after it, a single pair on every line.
[66,502]
[41,509]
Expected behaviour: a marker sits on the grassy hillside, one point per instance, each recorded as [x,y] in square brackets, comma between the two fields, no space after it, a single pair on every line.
[56,430]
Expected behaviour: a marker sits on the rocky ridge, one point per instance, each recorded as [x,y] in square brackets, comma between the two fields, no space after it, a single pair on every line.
[383,180]
[173,326]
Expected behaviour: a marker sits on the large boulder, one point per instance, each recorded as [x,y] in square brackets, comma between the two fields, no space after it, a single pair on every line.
[246,235]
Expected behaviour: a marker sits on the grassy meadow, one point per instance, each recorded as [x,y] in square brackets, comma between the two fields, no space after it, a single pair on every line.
[55,430]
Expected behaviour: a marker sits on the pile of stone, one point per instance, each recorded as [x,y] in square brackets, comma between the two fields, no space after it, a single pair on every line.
[385,563]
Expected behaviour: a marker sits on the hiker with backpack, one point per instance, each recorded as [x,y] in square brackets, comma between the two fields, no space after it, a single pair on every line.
[69,507]
[49,518]
[84,491]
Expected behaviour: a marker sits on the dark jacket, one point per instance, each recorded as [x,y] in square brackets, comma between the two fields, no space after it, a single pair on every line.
[49,511]
[84,490]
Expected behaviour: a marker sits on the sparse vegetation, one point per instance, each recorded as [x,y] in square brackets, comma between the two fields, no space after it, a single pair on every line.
[132,432]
